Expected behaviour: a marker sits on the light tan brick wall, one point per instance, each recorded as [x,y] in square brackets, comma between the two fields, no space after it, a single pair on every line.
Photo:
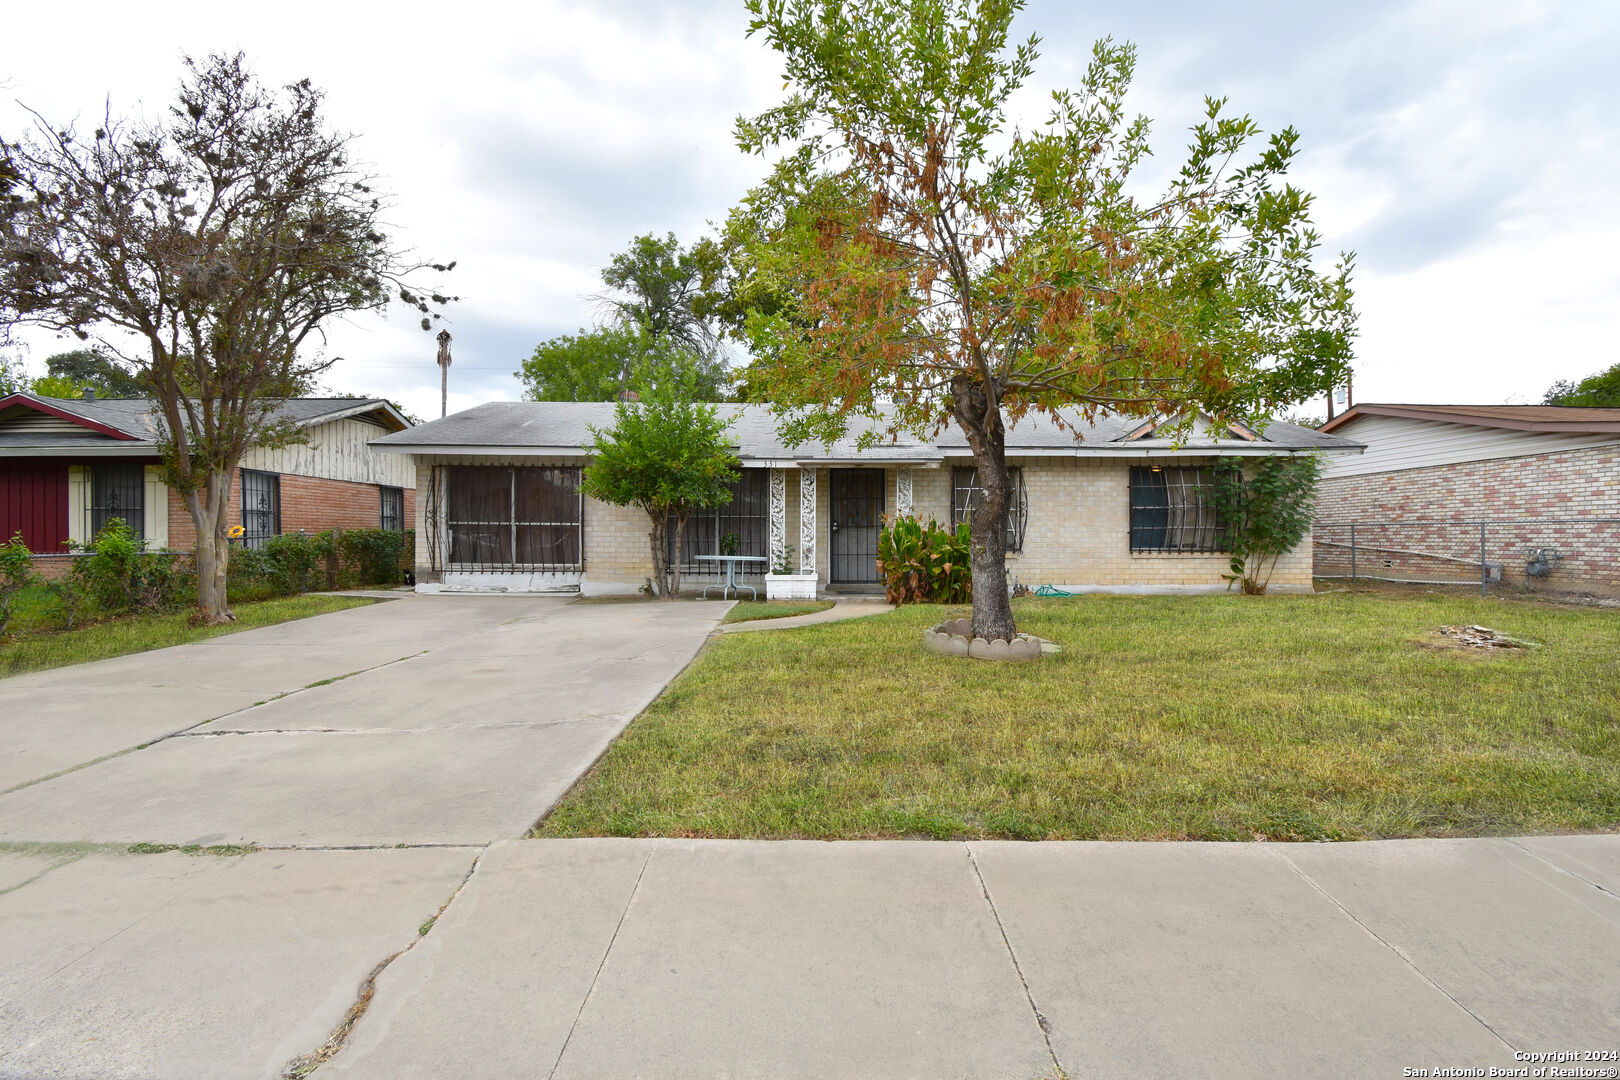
[1078,533]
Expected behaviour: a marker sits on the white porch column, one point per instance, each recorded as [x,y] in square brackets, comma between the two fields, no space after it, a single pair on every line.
[902,491]
[778,519]
[807,521]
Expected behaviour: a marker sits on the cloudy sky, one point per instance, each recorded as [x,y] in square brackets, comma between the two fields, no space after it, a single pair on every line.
[1466,151]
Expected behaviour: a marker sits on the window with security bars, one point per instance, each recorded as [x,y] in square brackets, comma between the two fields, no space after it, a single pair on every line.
[118,491]
[747,517]
[1173,509]
[525,517]
[393,509]
[261,507]
[966,495]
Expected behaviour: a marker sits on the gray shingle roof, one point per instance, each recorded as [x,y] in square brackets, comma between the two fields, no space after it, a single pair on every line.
[563,428]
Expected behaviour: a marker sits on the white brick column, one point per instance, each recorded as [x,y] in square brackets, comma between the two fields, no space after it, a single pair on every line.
[902,491]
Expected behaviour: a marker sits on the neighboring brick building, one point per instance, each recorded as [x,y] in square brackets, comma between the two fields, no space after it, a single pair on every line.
[1542,480]
[69,465]
[1106,505]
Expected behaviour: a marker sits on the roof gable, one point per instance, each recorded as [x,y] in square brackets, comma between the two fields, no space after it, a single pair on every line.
[18,405]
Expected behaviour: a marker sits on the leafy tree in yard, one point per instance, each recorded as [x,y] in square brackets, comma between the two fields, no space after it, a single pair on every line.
[204,250]
[93,370]
[669,456]
[56,386]
[600,364]
[1266,510]
[1601,390]
[668,291]
[944,267]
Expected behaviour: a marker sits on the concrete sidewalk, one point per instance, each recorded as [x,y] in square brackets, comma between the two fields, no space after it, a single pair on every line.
[846,608]
[624,958]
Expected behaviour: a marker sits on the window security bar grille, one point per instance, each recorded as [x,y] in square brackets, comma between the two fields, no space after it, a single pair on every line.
[966,495]
[1172,510]
[747,517]
[117,491]
[261,507]
[393,509]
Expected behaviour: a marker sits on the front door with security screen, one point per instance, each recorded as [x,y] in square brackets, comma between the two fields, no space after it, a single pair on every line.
[856,505]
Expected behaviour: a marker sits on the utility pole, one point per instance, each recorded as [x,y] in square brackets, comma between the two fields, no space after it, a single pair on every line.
[444,372]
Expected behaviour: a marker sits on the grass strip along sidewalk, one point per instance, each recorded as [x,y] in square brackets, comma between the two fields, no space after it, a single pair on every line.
[1213,717]
[138,633]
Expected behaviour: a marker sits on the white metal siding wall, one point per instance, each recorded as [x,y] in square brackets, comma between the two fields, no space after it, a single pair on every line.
[338,450]
[1397,442]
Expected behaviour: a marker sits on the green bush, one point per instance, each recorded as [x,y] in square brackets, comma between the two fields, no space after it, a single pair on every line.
[16,574]
[118,574]
[1265,510]
[372,556]
[925,563]
[291,558]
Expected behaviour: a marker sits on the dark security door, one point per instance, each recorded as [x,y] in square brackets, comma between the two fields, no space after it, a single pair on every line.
[856,502]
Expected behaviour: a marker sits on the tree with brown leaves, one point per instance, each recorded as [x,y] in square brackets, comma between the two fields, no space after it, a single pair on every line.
[927,263]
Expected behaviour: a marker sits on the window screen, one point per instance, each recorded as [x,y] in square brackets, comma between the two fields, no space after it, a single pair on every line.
[747,517]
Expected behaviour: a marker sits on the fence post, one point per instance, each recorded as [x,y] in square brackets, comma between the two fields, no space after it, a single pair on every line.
[1352,554]
[1484,574]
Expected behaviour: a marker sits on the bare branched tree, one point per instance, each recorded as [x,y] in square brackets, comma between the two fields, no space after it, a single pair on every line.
[205,252]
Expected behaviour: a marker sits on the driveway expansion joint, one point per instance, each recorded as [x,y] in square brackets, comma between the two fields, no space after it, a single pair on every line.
[1386,943]
[1040,1017]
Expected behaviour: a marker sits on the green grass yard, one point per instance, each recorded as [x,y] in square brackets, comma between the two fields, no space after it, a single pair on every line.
[1210,717]
[138,633]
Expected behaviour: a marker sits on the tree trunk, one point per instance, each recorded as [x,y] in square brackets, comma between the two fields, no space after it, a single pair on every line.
[992,608]
[660,571]
[208,507]
[675,567]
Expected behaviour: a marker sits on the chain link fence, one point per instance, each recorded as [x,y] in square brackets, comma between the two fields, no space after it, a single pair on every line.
[1556,556]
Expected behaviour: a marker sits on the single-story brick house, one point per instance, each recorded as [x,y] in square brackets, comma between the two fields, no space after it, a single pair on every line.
[1443,474]
[1108,505]
[67,465]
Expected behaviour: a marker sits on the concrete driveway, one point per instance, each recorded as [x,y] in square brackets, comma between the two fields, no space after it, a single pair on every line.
[423,720]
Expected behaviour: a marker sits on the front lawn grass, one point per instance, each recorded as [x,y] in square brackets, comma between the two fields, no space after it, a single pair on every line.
[1203,717]
[750,610]
[138,633]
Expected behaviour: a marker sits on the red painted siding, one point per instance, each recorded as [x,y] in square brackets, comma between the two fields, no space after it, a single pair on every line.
[34,502]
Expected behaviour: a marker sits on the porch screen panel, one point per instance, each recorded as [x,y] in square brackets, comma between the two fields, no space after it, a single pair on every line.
[478,516]
[118,491]
[747,516]
[547,507]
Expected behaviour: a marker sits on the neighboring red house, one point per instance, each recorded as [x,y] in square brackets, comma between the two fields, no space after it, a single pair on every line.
[1542,482]
[68,465]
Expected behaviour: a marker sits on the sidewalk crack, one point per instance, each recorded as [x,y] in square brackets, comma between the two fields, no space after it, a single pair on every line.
[636,888]
[1386,943]
[1040,1017]
[304,1064]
